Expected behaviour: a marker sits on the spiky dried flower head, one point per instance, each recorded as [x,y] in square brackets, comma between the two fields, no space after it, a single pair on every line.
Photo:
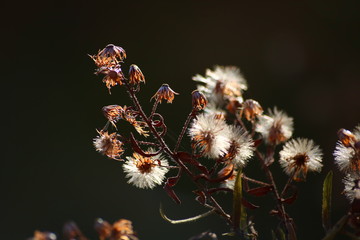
[352,186]
[299,156]
[251,109]
[113,76]
[210,135]
[108,144]
[199,100]
[241,147]
[222,83]
[164,93]
[347,151]
[113,112]
[135,75]
[145,172]
[275,128]
[103,228]
[38,235]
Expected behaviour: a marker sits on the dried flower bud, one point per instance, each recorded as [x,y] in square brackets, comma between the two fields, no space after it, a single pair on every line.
[38,235]
[103,228]
[113,112]
[135,75]
[346,137]
[109,145]
[234,104]
[251,109]
[199,100]
[165,93]
[113,52]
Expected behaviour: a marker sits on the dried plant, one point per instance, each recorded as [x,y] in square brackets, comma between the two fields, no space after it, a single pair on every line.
[226,132]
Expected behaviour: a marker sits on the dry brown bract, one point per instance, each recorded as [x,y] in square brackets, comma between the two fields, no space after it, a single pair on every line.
[165,93]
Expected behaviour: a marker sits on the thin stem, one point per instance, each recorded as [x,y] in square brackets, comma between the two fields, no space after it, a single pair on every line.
[186,124]
[280,205]
[255,181]
[291,177]
[154,108]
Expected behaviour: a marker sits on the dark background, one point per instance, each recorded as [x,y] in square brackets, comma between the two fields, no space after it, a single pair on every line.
[300,56]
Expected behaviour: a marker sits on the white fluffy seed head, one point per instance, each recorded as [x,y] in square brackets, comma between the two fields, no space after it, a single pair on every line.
[275,128]
[352,186]
[210,135]
[145,172]
[299,156]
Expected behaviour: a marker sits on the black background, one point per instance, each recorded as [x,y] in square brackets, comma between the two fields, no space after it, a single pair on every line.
[302,56]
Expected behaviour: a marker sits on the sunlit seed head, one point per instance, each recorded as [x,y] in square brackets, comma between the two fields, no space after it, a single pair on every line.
[299,156]
[275,128]
[352,186]
[210,135]
[145,172]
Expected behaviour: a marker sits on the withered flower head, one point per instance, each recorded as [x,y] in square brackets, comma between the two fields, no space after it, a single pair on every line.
[103,228]
[229,182]
[108,144]
[251,109]
[145,172]
[113,76]
[199,100]
[234,104]
[347,151]
[210,135]
[113,52]
[299,156]
[135,75]
[113,112]
[275,128]
[164,93]
[38,235]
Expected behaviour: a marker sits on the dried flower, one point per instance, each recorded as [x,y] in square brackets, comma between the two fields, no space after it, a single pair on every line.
[299,156]
[145,172]
[108,144]
[113,112]
[347,151]
[113,52]
[352,186]
[135,75]
[234,104]
[251,109]
[210,135]
[199,100]
[71,231]
[164,93]
[241,147]
[275,128]
[221,84]
[113,77]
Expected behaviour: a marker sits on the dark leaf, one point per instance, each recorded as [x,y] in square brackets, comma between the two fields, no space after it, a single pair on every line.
[326,201]
[171,192]
[248,204]
[260,191]
[336,228]
[291,199]
[135,146]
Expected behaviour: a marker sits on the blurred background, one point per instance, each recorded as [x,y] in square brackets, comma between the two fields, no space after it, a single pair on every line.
[301,56]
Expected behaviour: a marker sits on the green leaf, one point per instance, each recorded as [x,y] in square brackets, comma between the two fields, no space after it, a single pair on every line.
[191,219]
[239,213]
[326,201]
